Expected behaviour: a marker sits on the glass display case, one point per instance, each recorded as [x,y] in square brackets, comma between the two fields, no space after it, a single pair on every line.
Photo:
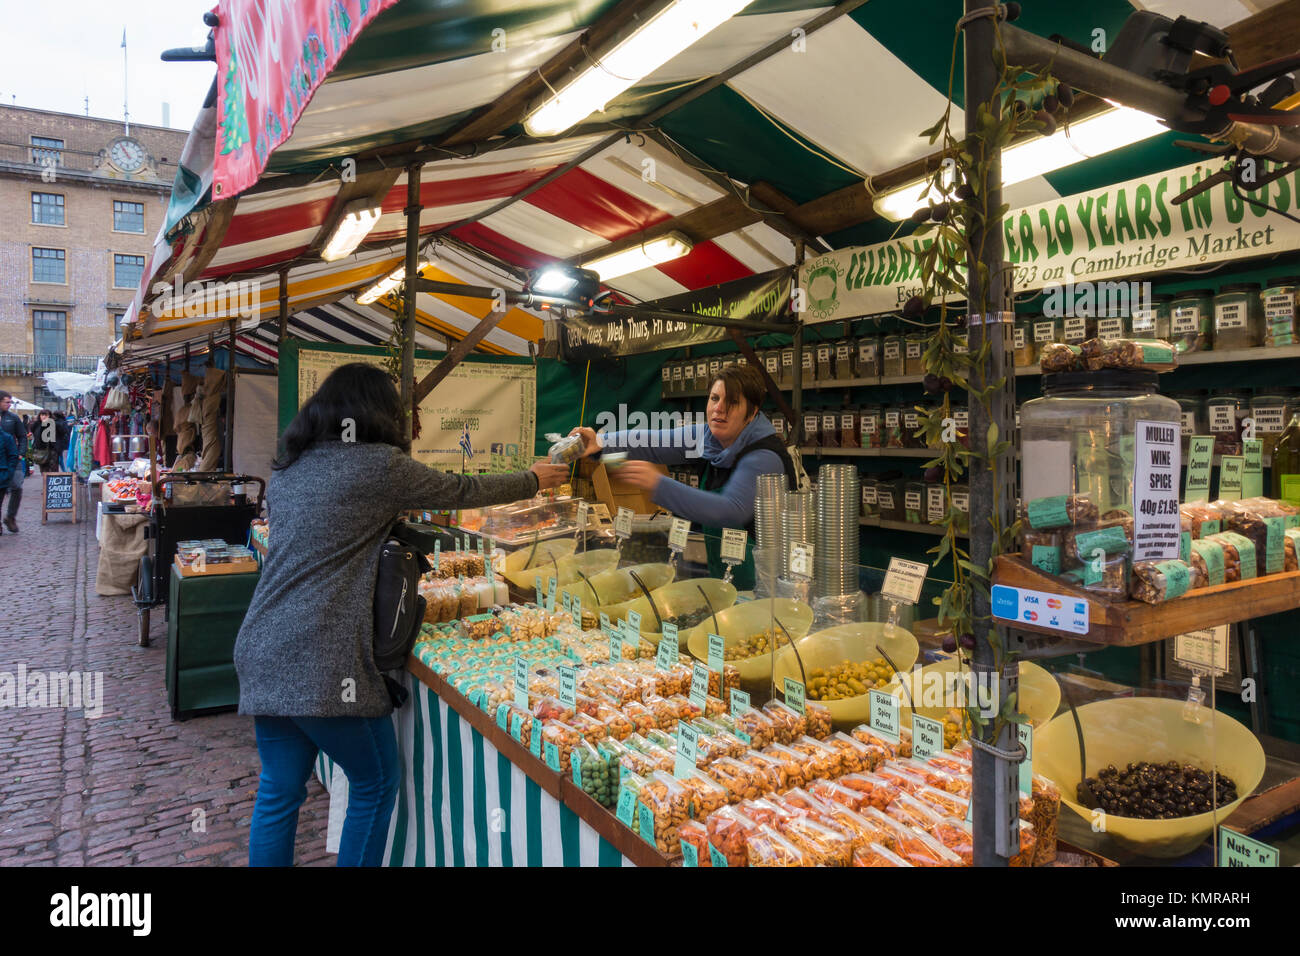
[518,523]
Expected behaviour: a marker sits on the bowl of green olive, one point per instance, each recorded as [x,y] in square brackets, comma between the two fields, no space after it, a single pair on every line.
[747,630]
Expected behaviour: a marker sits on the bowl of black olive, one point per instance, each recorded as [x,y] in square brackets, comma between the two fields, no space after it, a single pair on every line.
[1157,782]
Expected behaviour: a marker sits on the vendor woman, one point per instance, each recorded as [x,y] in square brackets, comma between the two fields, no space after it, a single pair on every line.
[739,445]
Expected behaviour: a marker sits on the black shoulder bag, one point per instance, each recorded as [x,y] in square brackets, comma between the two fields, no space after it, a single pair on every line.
[399,608]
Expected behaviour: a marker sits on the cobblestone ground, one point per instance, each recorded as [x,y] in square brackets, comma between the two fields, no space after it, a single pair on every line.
[121,789]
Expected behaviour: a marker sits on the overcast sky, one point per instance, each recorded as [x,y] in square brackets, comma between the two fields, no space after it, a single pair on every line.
[55,53]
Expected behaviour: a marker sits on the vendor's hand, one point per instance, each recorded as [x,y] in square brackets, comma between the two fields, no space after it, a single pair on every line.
[590,443]
[548,475]
[639,474]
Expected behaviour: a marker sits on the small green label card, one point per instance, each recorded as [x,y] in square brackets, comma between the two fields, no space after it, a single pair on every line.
[577,612]
[666,658]
[927,737]
[699,684]
[604,621]
[615,648]
[568,602]
[634,621]
[688,744]
[568,686]
[885,716]
[794,692]
[503,716]
[535,738]
[1231,469]
[739,702]
[521,683]
[550,596]
[716,856]
[689,855]
[1252,472]
[717,653]
[1025,733]
[646,817]
[1237,849]
[552,756]
[537,586]
[626,806]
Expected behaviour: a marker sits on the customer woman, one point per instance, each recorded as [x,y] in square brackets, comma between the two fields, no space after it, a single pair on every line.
[304,654]
[738,444]
[43,449]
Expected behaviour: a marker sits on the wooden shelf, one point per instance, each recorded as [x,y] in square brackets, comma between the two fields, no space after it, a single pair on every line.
[1240,355]
[869,452]
[1130,623]
[874,522]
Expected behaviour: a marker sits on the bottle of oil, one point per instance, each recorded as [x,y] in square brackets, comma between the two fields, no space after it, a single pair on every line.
[1286,463]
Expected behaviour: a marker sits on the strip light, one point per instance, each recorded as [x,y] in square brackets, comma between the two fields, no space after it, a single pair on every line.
[662,37]
[359,217]
[1087,138]
[655,252]
[388,283]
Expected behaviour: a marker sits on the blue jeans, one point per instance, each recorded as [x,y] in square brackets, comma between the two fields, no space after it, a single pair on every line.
[366,749]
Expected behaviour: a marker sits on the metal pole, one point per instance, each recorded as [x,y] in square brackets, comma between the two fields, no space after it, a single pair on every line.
[796,388]
[412,211]
[284,308]
[230,403]
[995,781]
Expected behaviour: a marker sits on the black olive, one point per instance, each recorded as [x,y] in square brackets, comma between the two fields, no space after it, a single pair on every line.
[939,213]
[913,307]
[1065,94]
[1051,103]
[921,214]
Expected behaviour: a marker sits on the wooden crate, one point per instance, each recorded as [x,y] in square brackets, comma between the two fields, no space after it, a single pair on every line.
[209,570]
[1129,623]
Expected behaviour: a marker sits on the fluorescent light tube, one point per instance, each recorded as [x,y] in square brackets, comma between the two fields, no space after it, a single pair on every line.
[652,253]
[662,37]
[359,217]
[388,283]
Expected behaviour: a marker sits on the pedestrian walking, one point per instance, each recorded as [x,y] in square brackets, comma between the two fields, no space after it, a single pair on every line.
[44,448]
[12,490]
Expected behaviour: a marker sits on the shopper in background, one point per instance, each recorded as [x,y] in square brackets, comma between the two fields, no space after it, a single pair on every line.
[304,654]
[11,423]
[738,445]
[44,448]
[9,457]
[63,434]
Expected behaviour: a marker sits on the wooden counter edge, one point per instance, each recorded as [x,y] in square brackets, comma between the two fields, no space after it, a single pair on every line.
[557,785]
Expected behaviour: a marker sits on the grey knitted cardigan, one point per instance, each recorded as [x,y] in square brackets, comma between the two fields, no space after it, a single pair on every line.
[305,647]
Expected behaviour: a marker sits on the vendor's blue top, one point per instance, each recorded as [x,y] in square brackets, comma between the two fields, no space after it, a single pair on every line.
[732,505]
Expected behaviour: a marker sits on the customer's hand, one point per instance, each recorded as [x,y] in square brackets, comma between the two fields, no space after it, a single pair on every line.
[639,474]
[590,443]
[548,475]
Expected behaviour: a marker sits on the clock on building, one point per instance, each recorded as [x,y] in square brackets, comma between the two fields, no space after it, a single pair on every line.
[127,154]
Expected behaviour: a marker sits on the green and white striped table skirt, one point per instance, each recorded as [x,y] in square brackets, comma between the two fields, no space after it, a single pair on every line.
[462,803]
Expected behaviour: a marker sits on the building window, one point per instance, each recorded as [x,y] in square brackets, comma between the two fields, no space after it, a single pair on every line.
[128,216]
[117,324]
[47,209]
[49,265]
[50,332]
[127,271]
[46,151]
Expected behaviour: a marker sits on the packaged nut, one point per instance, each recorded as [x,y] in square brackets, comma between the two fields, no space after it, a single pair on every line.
[1108,576]
[663,805]
[829,791]
[789,722]
[956,834]
[1043,811]
[1155,582]
[791,766]
[1042,549]
[766,847]
[766,810]
[686,709]
[558,741]
[769,766]
[823,761]
[617,724]
[1264,524]
[902,775]
[876,855]
[1079,545]
[643,719]
[728,831]
[942,801]
[550,708]
[741,780]
[823,845]
[590,728]
[817,717]
[1238,555]
[665,713]
[695,843]
[1059,357]
[855,756]
[1205,518]
[802,803]
[660,758]
[921,849]
[721,685]
[1060,511]
[1028,845]
[663,738]
[757,726]
[1151,354]
[859,831]
[591,771]
[881,748]
[1289,550]
[706,795]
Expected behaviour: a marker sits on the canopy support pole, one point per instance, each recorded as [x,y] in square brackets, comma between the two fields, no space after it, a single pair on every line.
[412,210]
[282,331]
[796,387]
[230,402]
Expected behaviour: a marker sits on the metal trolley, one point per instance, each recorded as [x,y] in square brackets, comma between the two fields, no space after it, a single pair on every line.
[198,506]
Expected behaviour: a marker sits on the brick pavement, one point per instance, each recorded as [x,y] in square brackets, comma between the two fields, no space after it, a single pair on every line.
[125,788]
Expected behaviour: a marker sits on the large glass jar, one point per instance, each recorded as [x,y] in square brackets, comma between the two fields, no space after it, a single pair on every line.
[1025,352]
[1079,440]
[1279,300]
[913,351]
[812,429]
[849,434]
[787,365]
[809,364]
[870,508]
[1227,412]
[870,427]
[893,426]
[702,380]
[1151,321]
[771,359]
[892,352]
[846,360]
[1191,406]
[825,361]
[830,428]
[780,425]
[1270,412]
[914,502]
[1238,316]
[1190,320]
[868,356]
[911,425]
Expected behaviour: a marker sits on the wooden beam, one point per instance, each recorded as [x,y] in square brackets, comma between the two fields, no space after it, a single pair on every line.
[456,355]
[1266,36]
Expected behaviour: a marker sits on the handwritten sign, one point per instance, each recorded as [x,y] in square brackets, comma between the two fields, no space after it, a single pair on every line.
[677,534]
[733,545]
[904,580]
[1237,849]
[623,523]
[1200,458]
[794,694]
[60,495]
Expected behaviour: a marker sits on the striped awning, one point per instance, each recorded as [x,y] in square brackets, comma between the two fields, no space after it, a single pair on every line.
[812,121]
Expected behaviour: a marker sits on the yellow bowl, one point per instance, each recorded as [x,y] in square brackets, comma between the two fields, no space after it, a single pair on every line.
[1132,729]
[565,570]
[744,620]
[1040,694]
[852,642]
[614,586]
[557,547]
[674,600]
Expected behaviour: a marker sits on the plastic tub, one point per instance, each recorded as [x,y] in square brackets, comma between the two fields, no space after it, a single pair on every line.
[1039,695]
[868,356]
[1191,315]
[891,362]
[870,427]
[1238,316]
[1226,412]
[743,620]
[846,360]
[913,353]
[1279,299]
[1151,321]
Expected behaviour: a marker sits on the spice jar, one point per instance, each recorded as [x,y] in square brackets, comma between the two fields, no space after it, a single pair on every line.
[1279,301]
[825,361]
[811,429]
[1046,331]
[893,426]
[846,360]
[892,362]
[780,425]
[702,379]
[911,424]
[666,378]
[868,356]
[772,362]
[889,498]
[870,508]
[1025,352]
[1076,330]
[1190,315]
[1238,316]
[870,434]
[1227,412]
[830,428]
[787,365]
[1269,412]
[849,437]
[1151,321]
[936,503]
[914,502]
[913,351]
[809,364]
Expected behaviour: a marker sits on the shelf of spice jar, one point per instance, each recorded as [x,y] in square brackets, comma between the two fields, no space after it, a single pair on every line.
[868,452]
[934,529]
[1258,354]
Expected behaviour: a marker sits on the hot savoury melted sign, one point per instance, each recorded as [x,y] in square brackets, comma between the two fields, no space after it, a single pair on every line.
[1126,229]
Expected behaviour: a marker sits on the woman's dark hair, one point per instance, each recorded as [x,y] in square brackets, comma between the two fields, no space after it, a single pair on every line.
[741,381]
[362,395]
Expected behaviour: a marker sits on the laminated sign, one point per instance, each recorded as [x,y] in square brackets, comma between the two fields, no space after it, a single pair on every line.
[903,581]
[1157,450]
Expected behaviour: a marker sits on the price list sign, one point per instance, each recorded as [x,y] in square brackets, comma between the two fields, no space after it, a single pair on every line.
[1157,452]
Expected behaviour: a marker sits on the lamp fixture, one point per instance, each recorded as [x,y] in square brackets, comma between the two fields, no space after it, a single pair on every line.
[652,44]
[359,217]
[388,283]
[654,252]
[1098,134]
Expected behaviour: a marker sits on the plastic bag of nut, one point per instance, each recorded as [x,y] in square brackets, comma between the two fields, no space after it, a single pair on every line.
[770,767]
[694,843]
[875,854]
[1155,582]
[1107,576]
[790,766]
[728,831]
[663,805]
[799,802]
[757,726]
[706,795]
[828,791]
[1263,521]
[643,719]
[661,759]
[856,828]
[1059,511]
[881,748]
[1059,357]
[765,811]
[1080,545]
[855,757]
[741,780]
[665,713]
[1238,555]
[903,776]
[824,761]
[1042,549]
[1206,518]
[766,847]
[1150,354]
[1289,543]
[826,846]
[558,741]
[789,722]
[817,720]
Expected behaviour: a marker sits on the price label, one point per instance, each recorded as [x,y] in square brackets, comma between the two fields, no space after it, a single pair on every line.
[717,652]
[666,658]
[623,523]
[794,695]
[577,612]
[535,739]
[521,683]
[583,507]
[537,586]
[801,559]
[604,621]
[626,806]
[634,621]
[688,746]
[568,686]
[699,684]
[739,702]
[1252,472]
[480,547]
[1200,458]
[568,602]
[1025,733]
[1237,849]
[1157,451]
[1205,651]
[903,581]
[1231,471]
[733,545]
[615,647]
[884,715]
[927,737]
[677,534]
[690,855]
[550,596]
[437,550]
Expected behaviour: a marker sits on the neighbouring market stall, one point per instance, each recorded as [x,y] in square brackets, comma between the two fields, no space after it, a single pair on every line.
[608,719]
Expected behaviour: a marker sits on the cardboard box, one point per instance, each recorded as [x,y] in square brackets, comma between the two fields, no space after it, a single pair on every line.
[615,494]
